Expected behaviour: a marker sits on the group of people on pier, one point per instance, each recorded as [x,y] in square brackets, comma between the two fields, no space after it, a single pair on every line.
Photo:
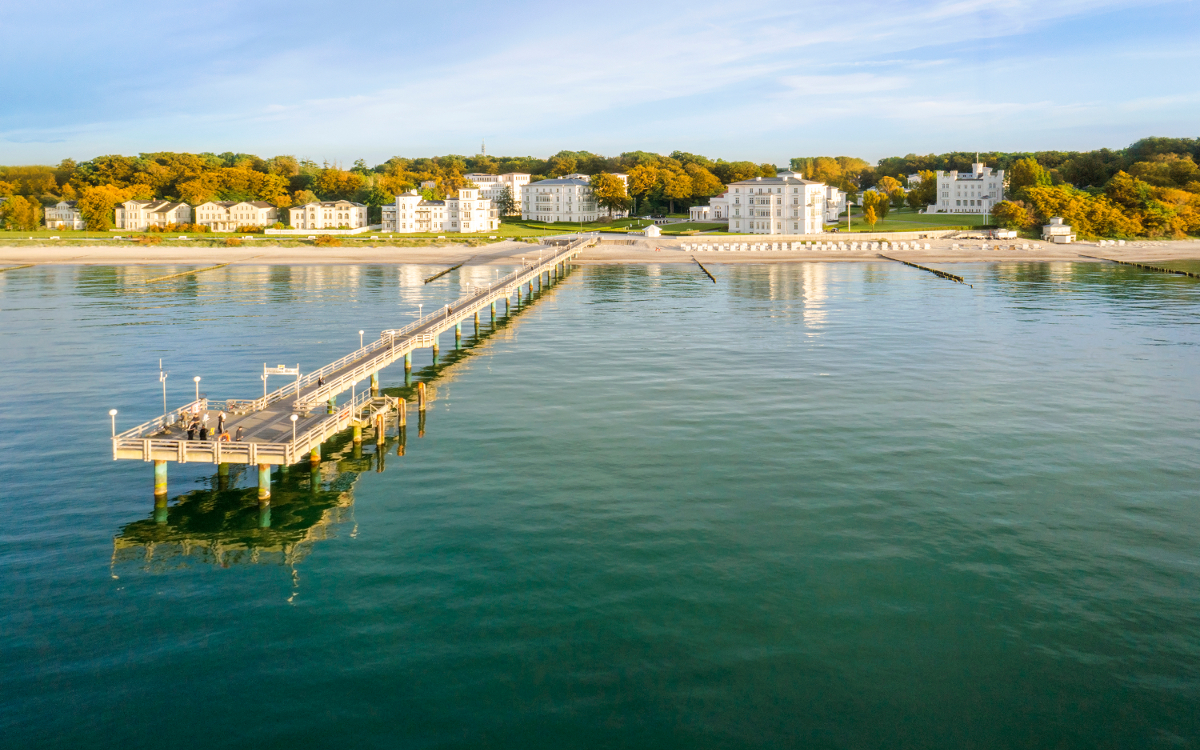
[197,427]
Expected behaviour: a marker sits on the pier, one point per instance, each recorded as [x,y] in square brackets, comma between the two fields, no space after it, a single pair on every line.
[288,425]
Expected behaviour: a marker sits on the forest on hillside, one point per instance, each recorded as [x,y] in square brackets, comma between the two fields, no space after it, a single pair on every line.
[1150,188]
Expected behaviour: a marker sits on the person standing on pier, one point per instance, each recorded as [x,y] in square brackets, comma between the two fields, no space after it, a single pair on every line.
[220,422]
[203,431]
[191,429]
[238,438]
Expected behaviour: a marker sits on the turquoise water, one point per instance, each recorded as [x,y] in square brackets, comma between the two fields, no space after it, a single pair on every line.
[812,505]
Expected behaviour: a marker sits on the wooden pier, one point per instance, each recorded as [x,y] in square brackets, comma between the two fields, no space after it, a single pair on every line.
[289,424]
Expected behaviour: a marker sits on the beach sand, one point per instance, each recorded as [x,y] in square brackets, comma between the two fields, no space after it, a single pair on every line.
[642,251]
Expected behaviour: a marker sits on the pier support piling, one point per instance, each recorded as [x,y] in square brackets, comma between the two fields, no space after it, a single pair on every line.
[264,484]
[160,479]
[475,333]
[222,476]
[493,314]
[457,334]
[407,363]
[314,456]
[421,396]
[402,412]
[401,436]
[374,384]
[357,434]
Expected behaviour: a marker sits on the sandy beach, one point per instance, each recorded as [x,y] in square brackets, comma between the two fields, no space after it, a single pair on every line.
[641,251]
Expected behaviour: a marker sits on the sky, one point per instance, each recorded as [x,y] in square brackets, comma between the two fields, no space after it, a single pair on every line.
[373,79]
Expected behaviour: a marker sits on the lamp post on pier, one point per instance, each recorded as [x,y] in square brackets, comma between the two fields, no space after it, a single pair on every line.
[294,418]
[360,335]
[112,413]
[162,378]
[196,380]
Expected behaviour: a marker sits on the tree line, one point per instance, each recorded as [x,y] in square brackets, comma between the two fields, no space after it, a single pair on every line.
[1149,188]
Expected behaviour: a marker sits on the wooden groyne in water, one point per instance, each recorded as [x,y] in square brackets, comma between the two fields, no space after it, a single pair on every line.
[440,274]
[196,270]
[1144,266]
[934,271]
[705,270]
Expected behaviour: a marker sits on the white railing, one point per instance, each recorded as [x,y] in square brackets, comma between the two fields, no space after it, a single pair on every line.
[158,423]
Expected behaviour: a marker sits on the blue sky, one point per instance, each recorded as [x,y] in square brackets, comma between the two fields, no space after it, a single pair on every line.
[373,79]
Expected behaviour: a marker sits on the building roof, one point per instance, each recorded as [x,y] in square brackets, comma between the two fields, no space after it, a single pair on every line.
[560,181]
[332,204]
[784,178]
[230,204]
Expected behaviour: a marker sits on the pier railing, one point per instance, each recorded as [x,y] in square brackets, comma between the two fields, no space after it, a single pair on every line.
[158,424]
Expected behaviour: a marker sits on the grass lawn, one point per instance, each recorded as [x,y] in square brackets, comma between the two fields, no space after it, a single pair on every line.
[689,226]
[908,220]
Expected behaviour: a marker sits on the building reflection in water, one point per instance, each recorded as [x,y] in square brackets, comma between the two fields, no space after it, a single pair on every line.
[805,283]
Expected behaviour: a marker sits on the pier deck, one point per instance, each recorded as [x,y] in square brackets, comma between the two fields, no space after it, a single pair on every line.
[266,422]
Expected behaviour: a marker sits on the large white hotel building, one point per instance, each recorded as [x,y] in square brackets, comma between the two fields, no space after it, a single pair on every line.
[968,193]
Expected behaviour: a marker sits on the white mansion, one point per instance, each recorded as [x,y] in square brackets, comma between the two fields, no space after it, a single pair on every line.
[64,215]
[492,185]
[469,212]
[328,215]
[563,199]
[968,193]
[140,215]
[784,204]
[227,216]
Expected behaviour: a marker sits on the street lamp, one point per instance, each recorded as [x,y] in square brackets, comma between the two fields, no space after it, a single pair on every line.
[196,380]
[113,414]
[162,378]
[352,396]
[294,418]
[360,333]
[264,380]
[419,306]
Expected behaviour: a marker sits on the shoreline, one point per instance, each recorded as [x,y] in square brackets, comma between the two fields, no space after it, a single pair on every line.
[642,251]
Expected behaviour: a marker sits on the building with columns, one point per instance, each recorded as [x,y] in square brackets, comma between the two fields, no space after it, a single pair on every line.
[973,192]
[784,204]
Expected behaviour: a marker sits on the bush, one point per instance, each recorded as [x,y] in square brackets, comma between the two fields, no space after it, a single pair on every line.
[250,229]
[232,242]
[279,225]
[149,239]
[326,240]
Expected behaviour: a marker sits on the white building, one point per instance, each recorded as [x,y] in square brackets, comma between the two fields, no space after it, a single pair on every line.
[717,209]
[227,216]
[835,203]
[559,199]
[968,193]
[492,185]
[1057,232]
[139,215]
[64,215]
[467,213]
[914,179]
[784,204]
[328,215]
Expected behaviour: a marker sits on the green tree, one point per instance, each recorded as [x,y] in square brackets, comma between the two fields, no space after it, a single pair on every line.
[506,204]
[879,202]
[337,184]
[1014,215]
[609,191]
[1025,174]
[924,193]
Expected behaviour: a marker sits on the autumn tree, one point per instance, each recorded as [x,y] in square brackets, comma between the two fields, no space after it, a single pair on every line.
[892,188]
[676,186]
[96,204]
[337,184]
[869,215]
[1014,215]
[877,201]
[609,191]
[21,213]
[704,183]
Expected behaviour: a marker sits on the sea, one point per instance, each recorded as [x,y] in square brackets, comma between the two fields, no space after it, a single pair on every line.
[810,505]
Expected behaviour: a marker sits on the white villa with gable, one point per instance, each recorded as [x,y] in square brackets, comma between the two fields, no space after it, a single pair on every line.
[328,215]
[227,216]
[140,215]
[64,215]
[784,204]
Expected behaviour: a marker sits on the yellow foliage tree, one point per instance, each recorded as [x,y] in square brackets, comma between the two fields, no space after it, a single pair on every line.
[21,213]
[869,215]
[97,202]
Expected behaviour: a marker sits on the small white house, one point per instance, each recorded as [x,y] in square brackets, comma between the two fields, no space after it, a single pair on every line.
[64,215]
[652,231]
[1057,232]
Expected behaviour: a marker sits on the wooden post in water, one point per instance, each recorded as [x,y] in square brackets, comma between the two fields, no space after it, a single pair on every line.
[457,334]
[402,412]
[421,396]
[475,333]
[374,384]
[435,348]
[407,363]
[160,479]
[332,405]
[357,434]
[314,456]
[401,436]
[222,476]
[264,484]
[493,314]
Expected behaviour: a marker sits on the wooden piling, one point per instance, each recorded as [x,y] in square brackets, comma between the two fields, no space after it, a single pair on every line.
[1144,266]
[705,270]
[160,479]
[443,273]
[933,271]
[357,433]
[421,396]
[402,412]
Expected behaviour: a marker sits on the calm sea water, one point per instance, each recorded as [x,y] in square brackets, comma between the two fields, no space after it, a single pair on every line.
[812,505]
